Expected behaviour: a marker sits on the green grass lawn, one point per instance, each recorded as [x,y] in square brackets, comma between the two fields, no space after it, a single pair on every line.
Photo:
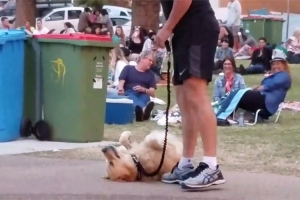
[262,148]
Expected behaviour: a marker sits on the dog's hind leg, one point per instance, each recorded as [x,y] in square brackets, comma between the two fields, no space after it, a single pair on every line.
[125,139]
[156,140]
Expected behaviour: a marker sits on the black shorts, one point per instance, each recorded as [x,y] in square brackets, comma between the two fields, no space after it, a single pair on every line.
[193,53]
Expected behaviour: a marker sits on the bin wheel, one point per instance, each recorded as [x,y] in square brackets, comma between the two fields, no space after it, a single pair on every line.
[26,128]
[42,131]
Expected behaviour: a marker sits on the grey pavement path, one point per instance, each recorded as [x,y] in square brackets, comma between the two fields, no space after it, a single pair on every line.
[25,178]
[30,145]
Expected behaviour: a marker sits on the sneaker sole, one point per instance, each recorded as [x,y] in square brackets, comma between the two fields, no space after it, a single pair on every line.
[195,187]
[171,182]
[148,110]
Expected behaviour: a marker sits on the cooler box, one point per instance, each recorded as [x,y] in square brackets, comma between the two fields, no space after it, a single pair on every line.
[11,83]
[119,111]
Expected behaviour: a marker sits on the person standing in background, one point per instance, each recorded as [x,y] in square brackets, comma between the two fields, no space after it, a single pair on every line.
[234,21]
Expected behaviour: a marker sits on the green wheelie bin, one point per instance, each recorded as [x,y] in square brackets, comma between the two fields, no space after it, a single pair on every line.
[256,26]
[74,71]
[29,87]
[273,30]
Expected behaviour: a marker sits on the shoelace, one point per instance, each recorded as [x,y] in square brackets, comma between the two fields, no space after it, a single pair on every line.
[199,169]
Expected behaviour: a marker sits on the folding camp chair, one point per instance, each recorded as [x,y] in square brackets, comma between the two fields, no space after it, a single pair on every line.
[277,114]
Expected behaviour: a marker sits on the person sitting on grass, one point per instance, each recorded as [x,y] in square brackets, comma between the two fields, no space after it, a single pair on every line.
[138,83]
[272,91]
[249,44]
[222,52]
[260,59]
[227,81]
[293,47]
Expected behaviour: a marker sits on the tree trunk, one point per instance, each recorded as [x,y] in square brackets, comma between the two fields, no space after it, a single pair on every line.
[145,13]
[26,10]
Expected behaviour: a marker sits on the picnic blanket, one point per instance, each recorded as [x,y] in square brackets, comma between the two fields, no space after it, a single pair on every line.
[222,108]
[227,104]
[292,106]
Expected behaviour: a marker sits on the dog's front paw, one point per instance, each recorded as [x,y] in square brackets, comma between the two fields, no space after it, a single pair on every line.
[125,139]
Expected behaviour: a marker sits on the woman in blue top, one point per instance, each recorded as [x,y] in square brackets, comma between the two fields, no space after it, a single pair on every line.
[228,80]
[273,89]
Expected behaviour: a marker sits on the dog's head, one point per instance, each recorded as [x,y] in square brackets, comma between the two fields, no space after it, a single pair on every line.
[120,165]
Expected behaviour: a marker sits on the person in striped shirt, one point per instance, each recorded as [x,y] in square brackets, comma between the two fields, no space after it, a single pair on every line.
[293,47]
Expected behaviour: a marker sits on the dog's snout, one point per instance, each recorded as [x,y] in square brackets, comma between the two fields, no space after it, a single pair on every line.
[104,150]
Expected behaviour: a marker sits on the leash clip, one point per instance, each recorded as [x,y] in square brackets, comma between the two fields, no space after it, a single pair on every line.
[134,158]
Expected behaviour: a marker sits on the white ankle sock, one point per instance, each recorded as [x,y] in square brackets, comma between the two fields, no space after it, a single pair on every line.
[211,161]
[184,162]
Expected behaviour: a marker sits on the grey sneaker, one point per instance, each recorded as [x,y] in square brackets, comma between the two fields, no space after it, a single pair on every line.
[177,175]
[205,178]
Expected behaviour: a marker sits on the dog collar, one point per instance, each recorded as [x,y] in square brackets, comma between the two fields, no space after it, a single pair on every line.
[137,165]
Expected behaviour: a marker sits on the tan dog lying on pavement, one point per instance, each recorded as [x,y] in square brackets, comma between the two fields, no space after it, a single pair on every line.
[122,161]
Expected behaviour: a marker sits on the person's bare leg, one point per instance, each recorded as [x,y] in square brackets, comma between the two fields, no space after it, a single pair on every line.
[236,43]
[189,136]
[198,99]
[189,133]
[208,173]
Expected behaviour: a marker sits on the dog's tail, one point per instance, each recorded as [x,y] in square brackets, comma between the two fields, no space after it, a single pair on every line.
[125,139]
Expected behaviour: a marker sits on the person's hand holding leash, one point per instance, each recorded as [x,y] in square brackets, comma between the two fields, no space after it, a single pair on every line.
[162,36]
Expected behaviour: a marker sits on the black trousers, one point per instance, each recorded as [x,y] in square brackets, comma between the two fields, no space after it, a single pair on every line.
[253,101]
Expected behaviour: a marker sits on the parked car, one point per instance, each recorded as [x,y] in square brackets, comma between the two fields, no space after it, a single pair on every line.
[43,7]
[118,11]
[57,17]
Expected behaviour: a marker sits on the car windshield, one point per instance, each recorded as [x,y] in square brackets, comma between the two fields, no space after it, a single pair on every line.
[7,12]
[10,4]
[130,13]
[42,12]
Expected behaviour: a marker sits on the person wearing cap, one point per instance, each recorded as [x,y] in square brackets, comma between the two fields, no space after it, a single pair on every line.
[260,60]
[272,90]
